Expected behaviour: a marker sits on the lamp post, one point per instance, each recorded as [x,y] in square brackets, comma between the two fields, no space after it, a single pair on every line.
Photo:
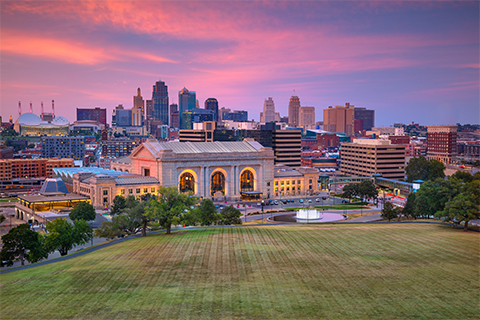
[263,203]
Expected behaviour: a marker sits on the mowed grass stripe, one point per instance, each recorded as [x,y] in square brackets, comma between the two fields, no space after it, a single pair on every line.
[390,271]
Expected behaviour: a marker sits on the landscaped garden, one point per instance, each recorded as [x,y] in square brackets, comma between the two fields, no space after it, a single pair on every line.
[387,271]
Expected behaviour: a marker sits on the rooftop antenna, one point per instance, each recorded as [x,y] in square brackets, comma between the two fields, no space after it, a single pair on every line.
[31,108]
[19,108]
[41,108]
[53,109]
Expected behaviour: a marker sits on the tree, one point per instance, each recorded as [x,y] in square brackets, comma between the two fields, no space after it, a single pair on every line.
[21,243]
[435,170]
[63,236]
[350,191]
[366,189]
[127,221]
[464,206]
[434,194]
[417,169]
[9,132]
[409,209]
[389,211]
[169,207]
[207,213]
[231,215]
[119,204]
[83,211]
[462,176]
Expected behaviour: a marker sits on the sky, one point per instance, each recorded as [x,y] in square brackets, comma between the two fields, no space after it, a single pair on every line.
[409,61]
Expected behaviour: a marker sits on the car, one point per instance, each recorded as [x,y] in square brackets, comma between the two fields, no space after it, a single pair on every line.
[284,201]
[324,198]
[309,200]
[259,204]
[276,202]
[301,200]
[317,200]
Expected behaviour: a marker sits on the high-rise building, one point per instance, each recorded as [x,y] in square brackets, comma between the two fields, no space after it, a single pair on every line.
[138,101]
[114,114]
[221,112]
[212,104]
[137,117]
[293,111]
[368,117]
[149,109]
[339,119]
[442,143]
[366,157]
[160,102]
[236,115]
[123,118]
[269,114]
[306,117]
[195,116]
[187,101]
[175,120]
[96,114]
[118,147]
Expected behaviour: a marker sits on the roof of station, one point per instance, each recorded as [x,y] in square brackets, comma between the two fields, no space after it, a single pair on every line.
[69,172]
[204,147]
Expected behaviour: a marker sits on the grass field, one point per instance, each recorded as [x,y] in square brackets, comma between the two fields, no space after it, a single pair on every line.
[391,271]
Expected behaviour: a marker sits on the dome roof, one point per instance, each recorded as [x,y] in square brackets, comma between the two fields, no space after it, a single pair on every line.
[29,119]
[60,121]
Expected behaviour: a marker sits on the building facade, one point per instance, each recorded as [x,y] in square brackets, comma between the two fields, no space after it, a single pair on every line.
[236,115]
[118,147]
[212,104]
[295,182]
[63,147]
[442,143]
[160,102]
[339,119]
[367,117]
[306,117]
[219,170]
[269,114]
[293,111]
[186,103]
[366,157]
[31,168]
[97,114]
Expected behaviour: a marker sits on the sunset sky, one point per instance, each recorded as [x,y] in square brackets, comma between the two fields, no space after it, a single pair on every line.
[409,61]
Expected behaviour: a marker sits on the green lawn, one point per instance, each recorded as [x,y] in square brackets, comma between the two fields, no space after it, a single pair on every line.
[388,271]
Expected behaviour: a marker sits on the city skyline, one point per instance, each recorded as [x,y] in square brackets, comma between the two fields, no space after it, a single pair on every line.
[408,61]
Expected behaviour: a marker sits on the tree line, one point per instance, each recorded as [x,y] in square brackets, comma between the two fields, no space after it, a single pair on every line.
[129,216]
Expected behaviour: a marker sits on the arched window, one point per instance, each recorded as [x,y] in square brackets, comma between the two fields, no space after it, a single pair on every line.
[217,183]
[246,181]
[187,182]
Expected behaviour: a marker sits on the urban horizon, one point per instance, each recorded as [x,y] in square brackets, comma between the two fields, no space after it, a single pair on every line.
[407,61]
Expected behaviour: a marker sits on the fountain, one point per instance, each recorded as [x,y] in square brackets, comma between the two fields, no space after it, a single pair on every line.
[308,215]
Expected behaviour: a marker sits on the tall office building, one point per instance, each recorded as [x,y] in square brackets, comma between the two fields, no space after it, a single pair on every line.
[149,109]
[123,117]
[96,114]
[114,114]
[366,157]
[63,147]
[137,117]
[367,116]
[306,117]
[293,111]
[212,104]
[339,119]
[269,114]
[442,143]
[160,102]
[138,101]
[187,101]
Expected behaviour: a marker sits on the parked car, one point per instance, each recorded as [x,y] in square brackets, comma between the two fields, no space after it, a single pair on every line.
[317,200]
[309,200]
[259,204]
[301,200]
[324,198]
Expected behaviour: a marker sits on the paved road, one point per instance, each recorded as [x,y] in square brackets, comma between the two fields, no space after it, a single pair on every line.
[370,218]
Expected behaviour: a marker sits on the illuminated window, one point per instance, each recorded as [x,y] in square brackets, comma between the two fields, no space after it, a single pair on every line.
[246,181]
[187,182]
[217,183]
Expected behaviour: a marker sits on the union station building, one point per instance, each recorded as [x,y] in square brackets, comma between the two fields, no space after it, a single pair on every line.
[221,171]
[218,170]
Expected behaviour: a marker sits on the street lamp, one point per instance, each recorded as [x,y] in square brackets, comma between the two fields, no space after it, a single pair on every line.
[263,203]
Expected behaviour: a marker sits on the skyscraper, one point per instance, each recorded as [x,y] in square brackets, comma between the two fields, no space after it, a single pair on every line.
[186,102]
[138,110]
[339,119]
[212,104]
[96,114]
[306,117]
[293,111]
[269,114]
[138,101]
[149,107]
[160,102]
[368,117]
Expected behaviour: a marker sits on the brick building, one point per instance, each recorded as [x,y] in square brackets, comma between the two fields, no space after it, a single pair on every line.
[442,143]
[31,168]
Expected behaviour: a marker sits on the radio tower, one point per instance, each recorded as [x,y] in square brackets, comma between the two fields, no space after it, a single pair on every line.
[19,109]
[41,107]
[31,108]
[53,110]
